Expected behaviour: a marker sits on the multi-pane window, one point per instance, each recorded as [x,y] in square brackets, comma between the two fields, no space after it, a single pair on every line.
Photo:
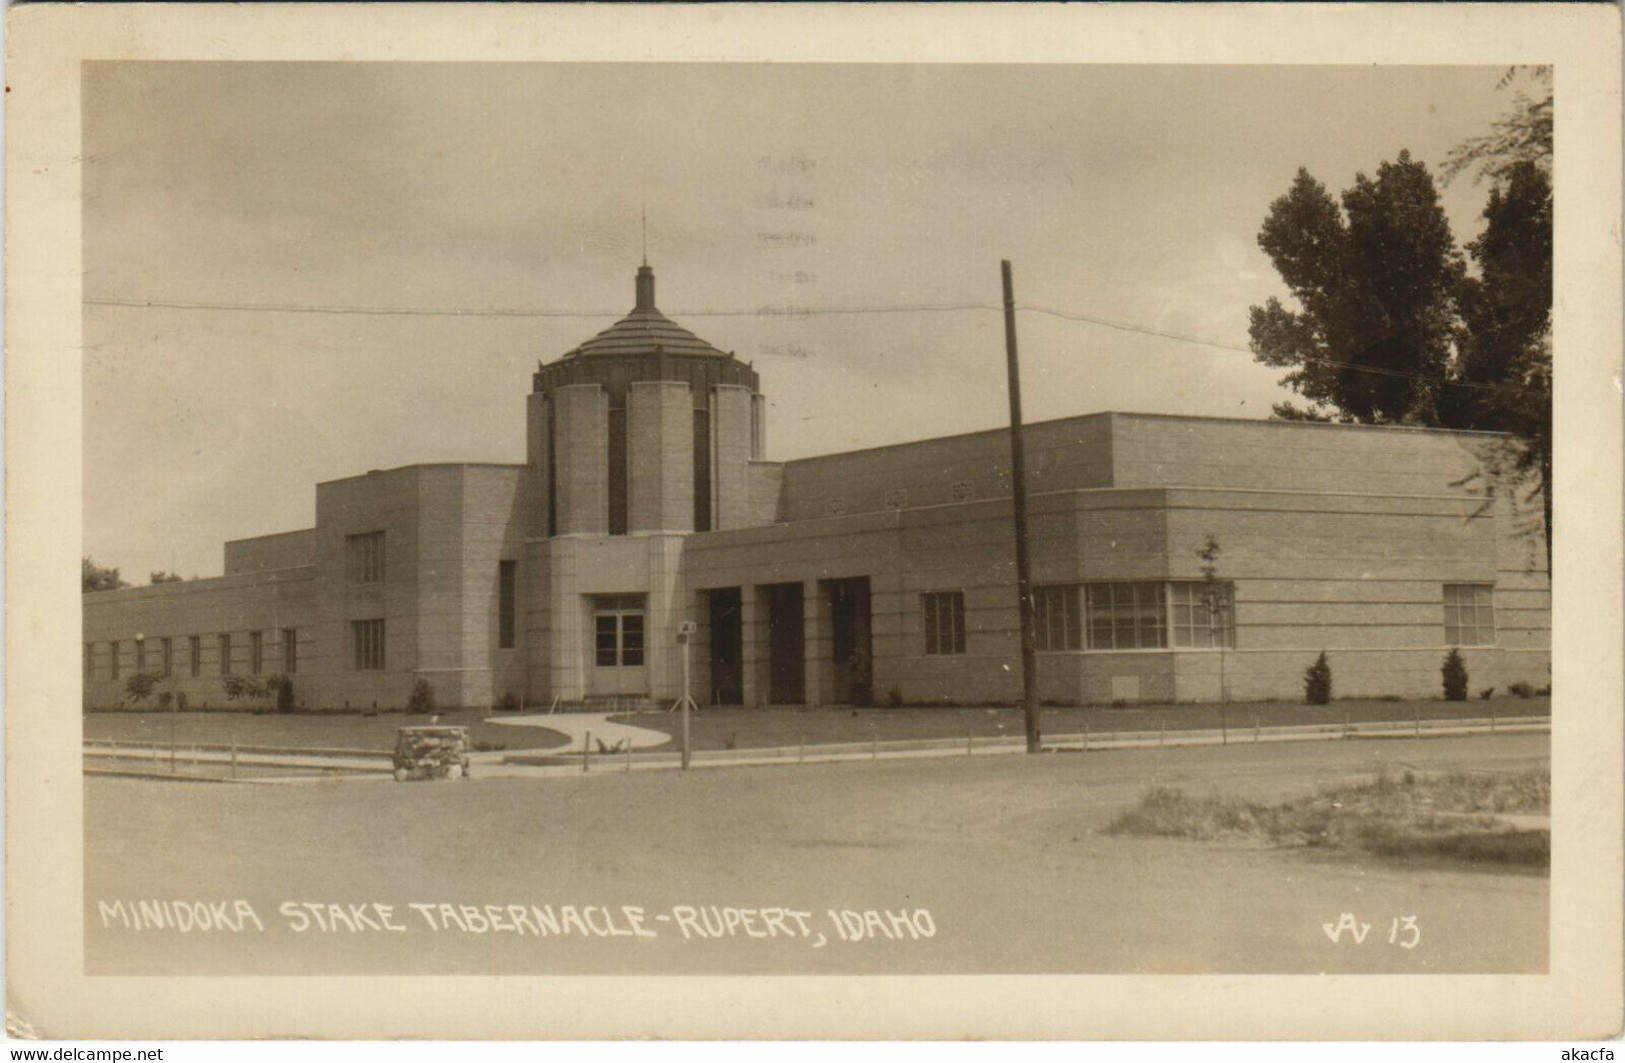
[167,662]
[1126,616]
[1469,614]
[1134,616]
[1057,618]
[225,654]
[368,636]
[194,649]
[944,621]
[141,655]
[618,630]
[1203,614]
[256,652]
[290,651]
[366,557]
[507,603]
[112,650]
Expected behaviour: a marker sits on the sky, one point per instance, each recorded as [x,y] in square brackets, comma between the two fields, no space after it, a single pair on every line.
[515,194]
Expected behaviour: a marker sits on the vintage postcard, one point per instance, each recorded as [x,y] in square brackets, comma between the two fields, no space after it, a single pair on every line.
[998,521]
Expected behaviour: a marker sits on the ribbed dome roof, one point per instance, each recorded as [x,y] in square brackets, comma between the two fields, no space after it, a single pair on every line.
[645,330]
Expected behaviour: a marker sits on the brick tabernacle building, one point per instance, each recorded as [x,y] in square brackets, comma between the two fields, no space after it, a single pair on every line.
[872,576]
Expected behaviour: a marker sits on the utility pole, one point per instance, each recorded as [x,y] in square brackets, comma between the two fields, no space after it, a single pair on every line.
[1018,477]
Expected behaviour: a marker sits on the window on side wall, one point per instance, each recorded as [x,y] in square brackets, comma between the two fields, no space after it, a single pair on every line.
[195,649]
[256,652]
[225,654]
[290,651]
[365,557]
[944,622]
[507,603]
[1469,614]
[368,636]
[1057,618]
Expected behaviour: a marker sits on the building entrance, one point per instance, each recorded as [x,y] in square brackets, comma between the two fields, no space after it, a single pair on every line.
[617,632]
[727,646]
[786,645]
[854,655]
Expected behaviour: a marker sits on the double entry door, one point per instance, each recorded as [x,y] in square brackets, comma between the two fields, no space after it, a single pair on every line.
[618,629]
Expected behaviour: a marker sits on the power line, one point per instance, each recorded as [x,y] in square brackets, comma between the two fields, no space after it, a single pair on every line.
[765,312]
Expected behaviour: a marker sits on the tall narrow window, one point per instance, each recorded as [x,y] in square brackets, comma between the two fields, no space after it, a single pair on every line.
[225,654]
[944,622]
[507,603]
[195,649]
[141,655]
[290,651]
[702,468]
[368,636]
[1469,614]
[366,557]
[552,471]
[617,467]
[112,648]
[256,652]
[167,663]
[90,661]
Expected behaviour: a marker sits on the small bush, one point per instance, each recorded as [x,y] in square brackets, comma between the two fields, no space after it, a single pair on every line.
[1521,689]
[1484,695]
[242,688]
[508,702]
[422,700]
[492,747]
[1545,691]
[1455,677]
[894,697]
[1317,682]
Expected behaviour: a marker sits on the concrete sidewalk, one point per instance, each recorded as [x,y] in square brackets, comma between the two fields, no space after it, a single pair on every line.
[578,726]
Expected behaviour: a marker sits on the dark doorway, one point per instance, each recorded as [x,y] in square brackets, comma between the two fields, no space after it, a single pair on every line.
[786,645]
[727,647]
[854,657]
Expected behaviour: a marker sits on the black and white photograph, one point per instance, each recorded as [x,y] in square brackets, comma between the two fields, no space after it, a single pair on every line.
[761,518]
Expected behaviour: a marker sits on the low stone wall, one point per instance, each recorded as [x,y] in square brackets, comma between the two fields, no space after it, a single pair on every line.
[431,753]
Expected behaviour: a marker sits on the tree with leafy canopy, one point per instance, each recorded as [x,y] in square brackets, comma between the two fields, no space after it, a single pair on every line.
[92,577]
[1376,279]
[164,577]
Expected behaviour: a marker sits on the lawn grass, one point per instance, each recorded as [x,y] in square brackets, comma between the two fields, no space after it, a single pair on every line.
[738,728]
[1452,815]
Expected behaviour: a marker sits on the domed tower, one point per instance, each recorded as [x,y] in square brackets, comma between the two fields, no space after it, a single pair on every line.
[644,428]
[637,438]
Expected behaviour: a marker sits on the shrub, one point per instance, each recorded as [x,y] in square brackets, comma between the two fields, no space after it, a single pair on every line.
[1484,695]
[1317,681]
[1521,689]
[894,697]
[280,687]
[508,702]
[242,687]
[139,687]
[1455,677]
[422,699]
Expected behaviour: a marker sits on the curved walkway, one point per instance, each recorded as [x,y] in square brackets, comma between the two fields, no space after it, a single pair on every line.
[577,726]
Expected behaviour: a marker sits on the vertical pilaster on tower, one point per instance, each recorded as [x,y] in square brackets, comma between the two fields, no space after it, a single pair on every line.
[661,455]
[581,464]
[731,427]
[537,457]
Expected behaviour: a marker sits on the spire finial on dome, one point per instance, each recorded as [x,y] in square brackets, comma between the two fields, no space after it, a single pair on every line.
[646,236]
[645,288]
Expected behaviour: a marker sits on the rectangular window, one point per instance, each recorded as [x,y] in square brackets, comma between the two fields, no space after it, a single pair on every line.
[141,655]
[225,654]
[112,648]
[1469,614]
[507,603]
[617,469]
[366,557]
[90,661]
[168,662]
[1056,618]
[944,621]
[195,648]
[1204,615]
[369,644]
[256,652]
[290,651]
